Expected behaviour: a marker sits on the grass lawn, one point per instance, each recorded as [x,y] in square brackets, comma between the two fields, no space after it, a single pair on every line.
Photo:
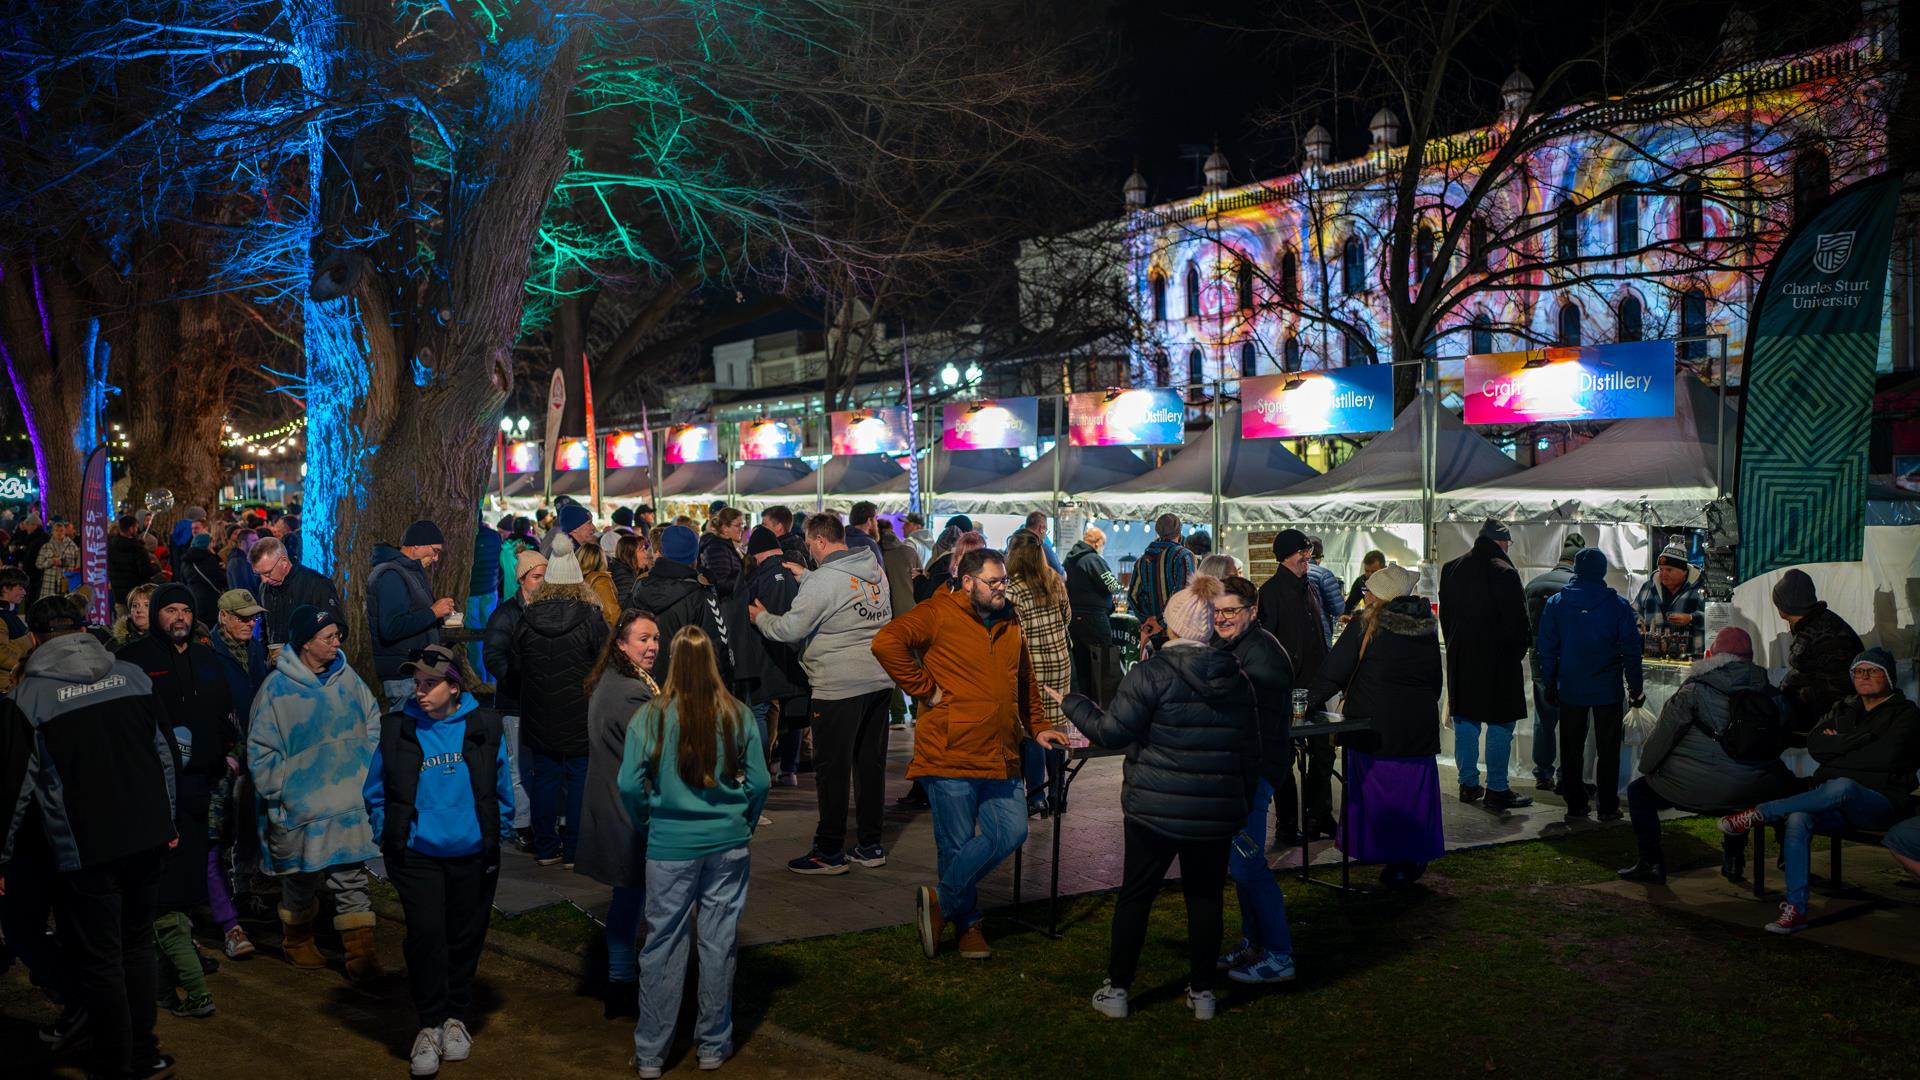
[1496,963]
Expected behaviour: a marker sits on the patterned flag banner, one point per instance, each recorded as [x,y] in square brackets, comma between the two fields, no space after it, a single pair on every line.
[1802,492]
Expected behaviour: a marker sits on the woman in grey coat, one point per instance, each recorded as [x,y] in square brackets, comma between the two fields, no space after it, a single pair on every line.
[612,851]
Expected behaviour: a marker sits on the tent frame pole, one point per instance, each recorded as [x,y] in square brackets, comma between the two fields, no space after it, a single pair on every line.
[1059,449]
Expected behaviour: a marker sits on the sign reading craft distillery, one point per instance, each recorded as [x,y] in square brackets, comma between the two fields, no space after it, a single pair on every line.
[1582,382]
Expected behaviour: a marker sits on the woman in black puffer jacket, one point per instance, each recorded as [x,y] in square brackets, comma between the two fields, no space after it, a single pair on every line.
[1387,663]
[1187,718]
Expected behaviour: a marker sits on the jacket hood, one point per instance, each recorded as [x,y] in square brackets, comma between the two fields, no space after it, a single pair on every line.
[1586,594]
[668,584]
[858,562]
[460,711]
[386,553]
[70,658]
[1727,673]
[1407,616]
[1210,672]
[1590,565]
[1079,548]
[558,616]
[296,669]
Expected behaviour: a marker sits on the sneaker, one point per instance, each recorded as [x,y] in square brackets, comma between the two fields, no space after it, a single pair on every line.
[566,866]
[456,1044]
[238,945]
[815,862]
[193,1007]
[973,944]
[710,1062]
[1271,967]
[872,856]
[1741,823]
[649,1072]
[1791,921]
[764,822]
[425,1059]
[158,1065]
[65,1030]
[788,779]
[928,918]
[1202,1003]
[551,860]
[1243,953]
[1545,785]
[1110,1000]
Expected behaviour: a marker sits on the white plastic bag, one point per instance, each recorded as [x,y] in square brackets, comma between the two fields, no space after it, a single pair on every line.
[1638,724]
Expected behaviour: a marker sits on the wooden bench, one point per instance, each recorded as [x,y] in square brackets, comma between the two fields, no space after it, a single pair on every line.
[1836,839]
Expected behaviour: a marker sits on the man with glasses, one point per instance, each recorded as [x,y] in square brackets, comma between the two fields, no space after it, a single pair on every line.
[286,585]
[961,655]
[1868,747]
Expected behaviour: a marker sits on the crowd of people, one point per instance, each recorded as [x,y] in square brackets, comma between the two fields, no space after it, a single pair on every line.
[619,701]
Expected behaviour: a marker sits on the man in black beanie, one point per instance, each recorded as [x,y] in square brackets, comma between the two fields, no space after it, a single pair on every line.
[1819,655]
[1290,609]
[1483,616]
[402,614]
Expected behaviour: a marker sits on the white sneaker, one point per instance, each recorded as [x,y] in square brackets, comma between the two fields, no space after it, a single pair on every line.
[455,1041]
[1201,1003]
[426,1052]
[650,1072]
[1110,1000]
[711,1062]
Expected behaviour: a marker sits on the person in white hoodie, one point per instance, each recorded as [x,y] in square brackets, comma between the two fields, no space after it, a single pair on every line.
[839,608]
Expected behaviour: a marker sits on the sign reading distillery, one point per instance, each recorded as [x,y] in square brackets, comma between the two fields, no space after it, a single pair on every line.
[1588,382]
[994,424]
[1338,401]
[871,431]
[769,440]
[626,449]
[688,443]
[1144,417]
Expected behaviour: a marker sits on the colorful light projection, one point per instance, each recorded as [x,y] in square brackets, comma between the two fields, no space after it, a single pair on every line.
[871,431]
[993,424]
[770,440]
[573,454]
[1603,382]
[627,450]
[1339,401]
[688,443]
[523,457]
[1148,416]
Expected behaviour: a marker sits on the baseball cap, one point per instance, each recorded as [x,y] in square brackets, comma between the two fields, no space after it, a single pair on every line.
[435,660]
[240,602]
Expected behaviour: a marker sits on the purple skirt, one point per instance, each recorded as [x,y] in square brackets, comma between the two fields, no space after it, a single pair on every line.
[1393,810]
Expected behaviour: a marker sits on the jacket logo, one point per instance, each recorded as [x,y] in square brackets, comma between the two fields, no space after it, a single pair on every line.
[111,682]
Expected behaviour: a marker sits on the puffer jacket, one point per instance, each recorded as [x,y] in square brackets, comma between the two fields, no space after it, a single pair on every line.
[1589,639]
[497,641]
[677,596]
[1683,760]
[720,563]
[308,750]
[1265,663]
[1819,656]
[1395,685]
[1187,719]
[1878,749]
[560,636]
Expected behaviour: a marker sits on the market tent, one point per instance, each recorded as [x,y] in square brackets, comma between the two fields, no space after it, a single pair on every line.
[1660,470]
[1082,469]
[841,474]
[694,478]
[1381,483]
[753,477]
[633,482]
[1184,485]
[961,470]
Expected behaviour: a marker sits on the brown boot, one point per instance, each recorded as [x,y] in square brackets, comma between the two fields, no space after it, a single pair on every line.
[296,941]
[356,935]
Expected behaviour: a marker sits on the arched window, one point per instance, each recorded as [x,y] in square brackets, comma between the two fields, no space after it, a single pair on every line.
[1162,368]
[1479,243]
[1193,291]
[1693,324]
[1290,279]
[1481,340]
[1159,283]
[1243,284]
[1353,267]
[1630,319]
[1196,367]
[1353,350]
[1569,325]
[1290,354]
[1812,176]
[1693,212]
[1422,254]
[1248,359]
[1566,232]
[1626,222]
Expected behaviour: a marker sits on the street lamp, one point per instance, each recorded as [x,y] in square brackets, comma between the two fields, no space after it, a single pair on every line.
[973,374]
[521,425]
[950,376]
[506,425]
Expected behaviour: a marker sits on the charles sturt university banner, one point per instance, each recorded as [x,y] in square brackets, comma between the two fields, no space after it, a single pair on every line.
[1809,385]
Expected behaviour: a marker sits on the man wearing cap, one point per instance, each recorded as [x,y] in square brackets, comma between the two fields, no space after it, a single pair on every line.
[1483,619]
[86,773]
[676,593]
[1673,599]
[1546,714]
[309,743]
[1819,654]
[286,586]
[402,614]
[1868,747]
[237,641]
[622,526]
[1290,611]
[1588,642]
[531,573]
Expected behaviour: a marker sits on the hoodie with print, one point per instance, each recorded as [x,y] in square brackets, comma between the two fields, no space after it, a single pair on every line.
[836,613]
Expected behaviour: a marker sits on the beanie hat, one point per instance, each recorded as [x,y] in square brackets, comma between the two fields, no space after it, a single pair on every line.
[1875,657]
[623,517]
[1391,581]
[171,593]
[714,507]
[201,540]
[422,534]
[1676,556]
[761,539]
[1733,641]
[1189,612]
[961,522]
[1571,546]
[680,544]
[572,516]
[1794,594]
[1590,565]
[526,561]
[1290,542]
[1493,529]
[309,620]
[563,566]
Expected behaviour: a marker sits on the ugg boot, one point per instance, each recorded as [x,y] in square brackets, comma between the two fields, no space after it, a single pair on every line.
[356,935]
[296,941]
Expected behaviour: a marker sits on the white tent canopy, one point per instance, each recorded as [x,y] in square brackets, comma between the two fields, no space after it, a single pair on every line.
[1082,469]
[841,475]
[1184,485]
[694,478]
[958,469]
[753,477]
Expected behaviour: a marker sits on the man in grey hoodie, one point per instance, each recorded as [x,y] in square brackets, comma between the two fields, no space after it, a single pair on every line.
[839,608]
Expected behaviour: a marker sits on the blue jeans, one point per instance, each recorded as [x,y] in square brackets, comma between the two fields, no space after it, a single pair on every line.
[1466,752]
[1039,765]
[510,734]
[965,855]
[1546,740]
[1839,803]
[760,712]
[479,610]
[717,884]
[623,929]
[545,776]
[1263,909]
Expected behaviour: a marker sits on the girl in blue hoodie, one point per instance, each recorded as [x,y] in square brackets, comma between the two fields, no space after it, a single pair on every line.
[694,778]
[439,798]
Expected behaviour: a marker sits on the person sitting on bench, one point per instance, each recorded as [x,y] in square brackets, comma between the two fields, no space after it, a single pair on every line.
[1868,747]
[1904,841]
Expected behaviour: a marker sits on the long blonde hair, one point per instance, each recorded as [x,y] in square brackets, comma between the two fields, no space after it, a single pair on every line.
[592,558]
[705,709]
[1027,564]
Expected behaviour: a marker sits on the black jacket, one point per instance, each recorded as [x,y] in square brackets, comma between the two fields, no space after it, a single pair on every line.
[304,586]
[1539,591]
[129,565]
[768,670]
[1483,612]
[1878,749]
[793,549]
[1265,663]
[1288,612]
[497,645]
[677,597]
[1090,584]
[720,563]
[197,697]
[554,649]
[624,579]
[1819,658]
[1186,717]
[1397,685]
[401,759]
[204,575]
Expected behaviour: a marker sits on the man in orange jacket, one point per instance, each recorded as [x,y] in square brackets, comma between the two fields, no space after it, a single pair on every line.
[961,656]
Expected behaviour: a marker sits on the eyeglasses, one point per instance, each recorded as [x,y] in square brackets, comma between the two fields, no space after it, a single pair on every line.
[1864,672]
[1223,614]
[993,583]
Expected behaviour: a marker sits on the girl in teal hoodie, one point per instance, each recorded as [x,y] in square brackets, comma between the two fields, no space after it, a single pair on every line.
[694,778]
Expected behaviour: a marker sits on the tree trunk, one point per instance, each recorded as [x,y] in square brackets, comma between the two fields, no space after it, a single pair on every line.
[46,327]
[176,360]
